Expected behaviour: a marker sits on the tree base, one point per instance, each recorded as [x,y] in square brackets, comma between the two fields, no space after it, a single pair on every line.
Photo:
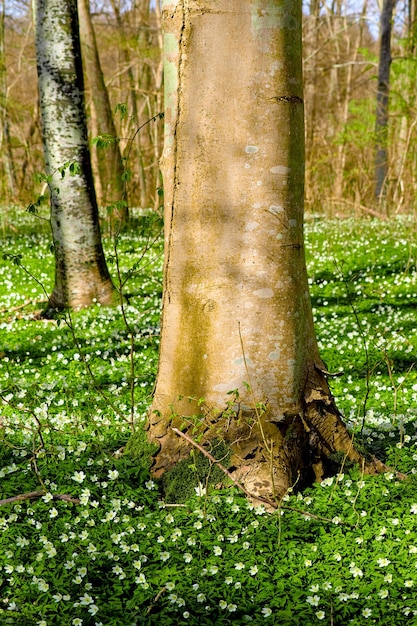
[267,457]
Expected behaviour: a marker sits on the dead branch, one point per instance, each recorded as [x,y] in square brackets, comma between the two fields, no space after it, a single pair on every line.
[34,495]
[16,308]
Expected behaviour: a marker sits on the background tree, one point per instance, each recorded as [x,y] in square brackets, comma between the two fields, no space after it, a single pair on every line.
[110,170]
[7,173]
[81,274]
[239,360]
[381,122]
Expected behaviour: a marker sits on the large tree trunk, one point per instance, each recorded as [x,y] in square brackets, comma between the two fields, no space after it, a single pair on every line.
[81,274]
[236,307]
[110,163]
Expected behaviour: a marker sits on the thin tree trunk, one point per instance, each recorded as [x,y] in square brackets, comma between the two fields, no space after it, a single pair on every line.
[239,359]
[133,102]
[81,275]
[5,141]
[110,161]
[382,98]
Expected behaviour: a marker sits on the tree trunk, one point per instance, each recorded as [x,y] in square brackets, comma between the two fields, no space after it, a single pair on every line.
[132,96]
[236,309]
[381,122]
[81,275]
[9,191]
[110,162]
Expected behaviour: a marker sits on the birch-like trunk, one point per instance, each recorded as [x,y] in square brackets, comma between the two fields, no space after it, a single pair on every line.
[236,306]
[81,275]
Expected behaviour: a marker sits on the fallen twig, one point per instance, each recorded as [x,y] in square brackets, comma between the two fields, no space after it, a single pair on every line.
[33,495]
[16,308]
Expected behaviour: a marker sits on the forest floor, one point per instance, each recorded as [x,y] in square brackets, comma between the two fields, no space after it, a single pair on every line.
[95,544]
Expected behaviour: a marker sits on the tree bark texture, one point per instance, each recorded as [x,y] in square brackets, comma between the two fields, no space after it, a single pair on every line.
[110,161]
[8,174]
[81,274]
[382,100]
[236,308]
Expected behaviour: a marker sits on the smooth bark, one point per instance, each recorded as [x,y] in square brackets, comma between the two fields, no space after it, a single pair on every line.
[239,359]
[81,275]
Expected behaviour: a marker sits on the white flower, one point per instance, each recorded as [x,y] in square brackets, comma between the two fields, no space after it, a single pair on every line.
[78,477]
[409,583]
[188,557]
[367,612]
[113,474]
[253,570]
[383,593]
[266,611]
[43,585]
[201,597]
[200,490]
[239,565]
[356,572]
[86,599]
[383,562]
[150,484]
[313,600]
[327,482]
[141,579]
[164,556]
[413,509]
[47,497]
[222,604]
[217,550]
[231,608]
[320,614]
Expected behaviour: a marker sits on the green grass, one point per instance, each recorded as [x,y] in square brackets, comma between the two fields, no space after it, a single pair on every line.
[343,552]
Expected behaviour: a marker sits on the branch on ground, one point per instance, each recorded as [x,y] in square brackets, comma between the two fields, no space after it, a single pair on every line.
[34,495]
